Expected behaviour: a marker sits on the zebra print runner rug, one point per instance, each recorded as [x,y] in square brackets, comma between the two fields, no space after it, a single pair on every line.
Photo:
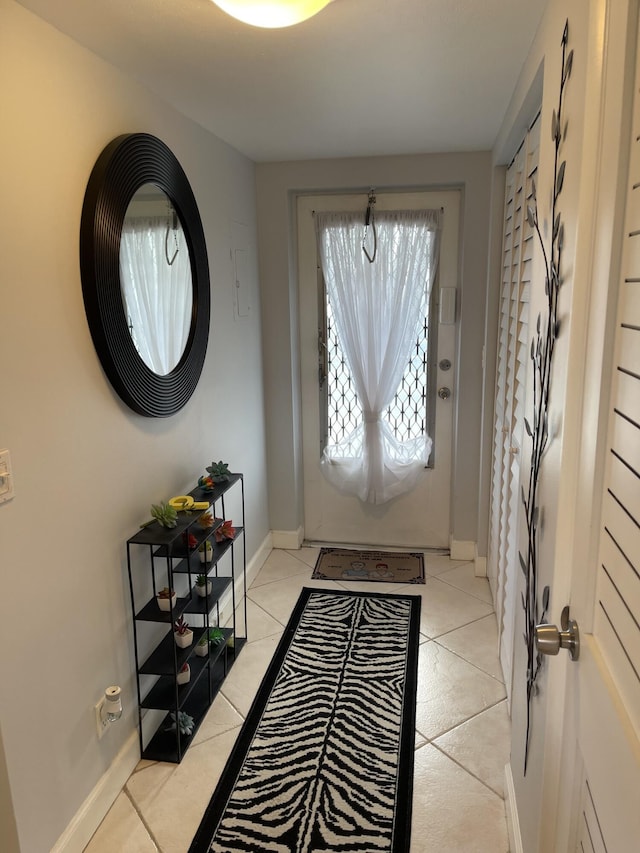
[324,760]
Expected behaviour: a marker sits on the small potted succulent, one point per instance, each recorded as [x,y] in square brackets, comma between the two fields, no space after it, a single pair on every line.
[215,636]
[164,514]
[184,674]
[189,540]
[182,633]
[206,483]
[185,723]
[225,531]
[205,551]
[166,598]
[202,646]
[203,586]
[206,520]
[219,472]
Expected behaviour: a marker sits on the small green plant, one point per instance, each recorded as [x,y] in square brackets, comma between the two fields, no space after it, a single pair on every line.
[201,580]
[205,547]
[202,642]
[215,636]
[181,627]
[219,471]
[164,514]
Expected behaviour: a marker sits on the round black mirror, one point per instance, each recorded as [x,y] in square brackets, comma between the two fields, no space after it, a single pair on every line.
[128,166]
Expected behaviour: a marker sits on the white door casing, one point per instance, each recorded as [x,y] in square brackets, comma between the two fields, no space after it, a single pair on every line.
[420,518]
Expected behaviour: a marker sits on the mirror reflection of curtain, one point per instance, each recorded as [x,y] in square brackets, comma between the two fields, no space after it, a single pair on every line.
[157,295]
[377,308]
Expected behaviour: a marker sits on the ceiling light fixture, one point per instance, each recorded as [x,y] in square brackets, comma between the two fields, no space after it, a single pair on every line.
[272,13]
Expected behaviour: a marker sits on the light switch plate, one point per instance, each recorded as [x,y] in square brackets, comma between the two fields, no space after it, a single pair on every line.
[6,477]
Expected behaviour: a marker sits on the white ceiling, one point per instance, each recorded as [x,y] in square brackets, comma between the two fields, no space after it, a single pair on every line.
[363,77]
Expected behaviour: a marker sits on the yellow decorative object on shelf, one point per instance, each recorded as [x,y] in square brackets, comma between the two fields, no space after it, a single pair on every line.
[181,503]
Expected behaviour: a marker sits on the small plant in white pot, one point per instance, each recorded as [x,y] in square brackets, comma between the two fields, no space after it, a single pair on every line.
[205,551]
[203,586]
[182,633]
[184,674]
[202,646]
[166,598]
[215,636]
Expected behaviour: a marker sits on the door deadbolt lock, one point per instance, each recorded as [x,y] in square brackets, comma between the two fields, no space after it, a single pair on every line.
[444,393]
[549,640]
[444,364]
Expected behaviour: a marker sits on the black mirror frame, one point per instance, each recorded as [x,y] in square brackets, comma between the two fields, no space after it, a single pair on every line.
[128,162]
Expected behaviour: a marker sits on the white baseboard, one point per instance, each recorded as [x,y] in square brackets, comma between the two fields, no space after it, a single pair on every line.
[91,813]
[480,566]
[462,550]
[258,560]
[513,823]
[289,540]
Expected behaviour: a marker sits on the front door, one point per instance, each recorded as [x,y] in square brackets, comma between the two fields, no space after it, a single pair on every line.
[420,518]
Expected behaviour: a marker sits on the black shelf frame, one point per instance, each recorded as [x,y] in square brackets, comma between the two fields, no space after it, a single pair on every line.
[169,556]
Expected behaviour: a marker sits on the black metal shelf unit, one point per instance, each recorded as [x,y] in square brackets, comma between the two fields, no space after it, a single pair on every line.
[158,557]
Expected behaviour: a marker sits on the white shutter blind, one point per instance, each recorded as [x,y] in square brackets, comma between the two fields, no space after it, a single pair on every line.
[617,617]
[511,371]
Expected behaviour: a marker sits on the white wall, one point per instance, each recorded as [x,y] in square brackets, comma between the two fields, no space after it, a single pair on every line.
[277,185]
[86,468]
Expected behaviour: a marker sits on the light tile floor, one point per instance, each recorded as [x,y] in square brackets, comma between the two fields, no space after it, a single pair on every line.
[462,726]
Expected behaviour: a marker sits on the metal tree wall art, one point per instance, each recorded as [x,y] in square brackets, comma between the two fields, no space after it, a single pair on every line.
[542,351]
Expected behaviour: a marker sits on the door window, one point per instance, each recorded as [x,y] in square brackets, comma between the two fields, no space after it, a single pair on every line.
[410,414]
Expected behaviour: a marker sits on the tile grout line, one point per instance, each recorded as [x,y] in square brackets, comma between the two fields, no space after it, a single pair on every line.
[461,722]
[466,769]
[266,612]
[134,806]
[466,660]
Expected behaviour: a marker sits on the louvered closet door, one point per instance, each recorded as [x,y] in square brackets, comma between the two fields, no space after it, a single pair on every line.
[617,609]
[608,672]
[510,390]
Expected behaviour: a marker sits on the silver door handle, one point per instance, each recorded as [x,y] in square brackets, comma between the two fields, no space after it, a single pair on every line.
[444,393]
[549,640]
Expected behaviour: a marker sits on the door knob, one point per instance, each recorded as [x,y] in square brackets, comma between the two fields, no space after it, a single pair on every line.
[444,393]
[549,640]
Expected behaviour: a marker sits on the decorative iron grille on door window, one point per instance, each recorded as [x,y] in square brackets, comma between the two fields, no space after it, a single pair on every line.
[408,414]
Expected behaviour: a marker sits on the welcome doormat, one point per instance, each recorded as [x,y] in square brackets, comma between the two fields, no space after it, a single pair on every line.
[383,566]
[324,760]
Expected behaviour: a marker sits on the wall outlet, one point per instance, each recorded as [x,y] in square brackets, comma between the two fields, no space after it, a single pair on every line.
[6,477]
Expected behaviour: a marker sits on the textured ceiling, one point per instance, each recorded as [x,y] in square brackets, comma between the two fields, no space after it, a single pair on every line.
[363,77]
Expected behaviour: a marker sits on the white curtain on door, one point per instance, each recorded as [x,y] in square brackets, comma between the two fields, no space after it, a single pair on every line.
[157,295]
[378,309]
